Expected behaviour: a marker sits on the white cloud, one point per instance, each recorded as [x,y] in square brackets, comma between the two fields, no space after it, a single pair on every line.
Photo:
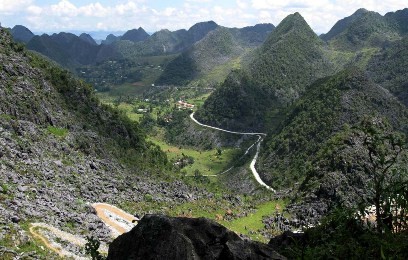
[64,8]
[268,4]
[8,6]
[169,11]
[265,15]
[242,4]
[126,14]
[101,26]
[94,9]
[34,10]
[130,7]
[199,1]
[322,14]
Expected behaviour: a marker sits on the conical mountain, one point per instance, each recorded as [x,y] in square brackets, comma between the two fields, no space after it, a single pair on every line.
[290,59]
[110,39]
[199,30]
[135,35]
[279,71]
[21,33]
[161,42]
[87,38]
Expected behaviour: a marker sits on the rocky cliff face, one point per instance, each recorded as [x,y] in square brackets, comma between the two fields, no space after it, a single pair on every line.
[60,149]
[162,237]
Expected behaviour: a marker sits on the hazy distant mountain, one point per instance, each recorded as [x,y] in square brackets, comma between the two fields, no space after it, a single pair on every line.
[135,35]
[110,39]
[217,48]
[165,41]
[21,34]
[98,36]
[65,48]
[255,34]
[88,38]
[161,42]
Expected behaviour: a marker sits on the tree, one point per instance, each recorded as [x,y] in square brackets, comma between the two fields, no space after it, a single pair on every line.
[199,177]
[383,148]
[92,246]
[219,151]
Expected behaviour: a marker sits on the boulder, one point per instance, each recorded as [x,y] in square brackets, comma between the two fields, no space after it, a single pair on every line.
[163,237]
[15,219]
[286,239]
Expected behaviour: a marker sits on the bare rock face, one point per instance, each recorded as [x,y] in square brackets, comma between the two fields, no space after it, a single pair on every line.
[163,237]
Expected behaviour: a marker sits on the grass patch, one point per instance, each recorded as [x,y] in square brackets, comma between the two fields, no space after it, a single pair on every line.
[206,162]
[60,132]
[252,224]
[219,73]
[199,100]
[217,209]
[207,208]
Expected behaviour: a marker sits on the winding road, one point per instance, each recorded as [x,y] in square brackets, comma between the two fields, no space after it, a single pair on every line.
[118,220]
[258,146]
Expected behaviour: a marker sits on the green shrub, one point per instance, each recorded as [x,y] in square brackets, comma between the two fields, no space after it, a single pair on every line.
[91,248]
[4,187]
[148,197]
[60,132]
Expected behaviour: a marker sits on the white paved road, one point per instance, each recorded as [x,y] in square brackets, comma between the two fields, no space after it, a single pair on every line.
[258,146]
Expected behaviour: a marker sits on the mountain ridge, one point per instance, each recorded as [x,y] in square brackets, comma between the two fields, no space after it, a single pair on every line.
[217,48]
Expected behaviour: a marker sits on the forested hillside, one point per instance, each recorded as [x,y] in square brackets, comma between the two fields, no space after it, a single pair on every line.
[276,74]
[389,68]
[362,30]
[330,105]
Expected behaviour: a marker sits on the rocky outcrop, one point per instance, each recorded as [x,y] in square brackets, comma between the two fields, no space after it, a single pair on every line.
[162,237]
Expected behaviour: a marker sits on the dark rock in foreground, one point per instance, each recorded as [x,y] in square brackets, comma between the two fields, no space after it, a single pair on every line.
[162,237]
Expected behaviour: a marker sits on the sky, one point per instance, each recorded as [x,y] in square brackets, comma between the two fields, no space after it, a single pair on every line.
[153,15]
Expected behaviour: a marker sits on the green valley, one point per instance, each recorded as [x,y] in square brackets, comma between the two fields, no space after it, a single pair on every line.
[210,142]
